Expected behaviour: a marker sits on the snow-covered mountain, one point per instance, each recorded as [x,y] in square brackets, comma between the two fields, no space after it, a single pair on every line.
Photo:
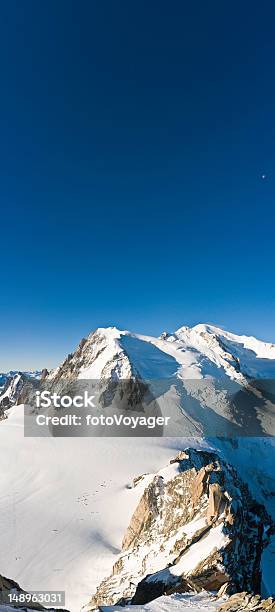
[11,385]
[200,351]
[66,503]
[4,376]
[210,382]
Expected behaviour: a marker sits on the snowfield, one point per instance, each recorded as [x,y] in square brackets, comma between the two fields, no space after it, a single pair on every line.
[64,505]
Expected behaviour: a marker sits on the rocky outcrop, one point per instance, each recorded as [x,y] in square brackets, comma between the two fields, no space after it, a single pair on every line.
[44,374]
[195,528]
[242,602]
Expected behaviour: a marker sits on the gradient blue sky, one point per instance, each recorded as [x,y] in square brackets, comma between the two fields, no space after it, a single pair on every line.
[133,140]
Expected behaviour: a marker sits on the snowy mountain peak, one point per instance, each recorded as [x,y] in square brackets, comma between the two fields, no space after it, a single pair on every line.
[191,353]
[259,347]
[202,372]
[245,354]
[109,332]
[100,355]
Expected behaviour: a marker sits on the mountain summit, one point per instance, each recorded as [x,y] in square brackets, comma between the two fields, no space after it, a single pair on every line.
[196,351]
[209,381]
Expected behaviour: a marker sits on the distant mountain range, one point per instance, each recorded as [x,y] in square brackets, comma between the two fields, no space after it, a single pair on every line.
[11,385]
[4,376]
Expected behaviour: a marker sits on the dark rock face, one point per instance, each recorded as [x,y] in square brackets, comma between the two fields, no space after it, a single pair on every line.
[195,528]
[44,374]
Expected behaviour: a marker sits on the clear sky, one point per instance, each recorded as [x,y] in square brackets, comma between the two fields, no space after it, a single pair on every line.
[134,139]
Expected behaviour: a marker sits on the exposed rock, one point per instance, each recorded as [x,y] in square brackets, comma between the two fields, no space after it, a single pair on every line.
[226,589]
[246,601]
[145,514]
[217,502]
[44,374]
[164,335]
[138,479]
[179,457]
[195,528]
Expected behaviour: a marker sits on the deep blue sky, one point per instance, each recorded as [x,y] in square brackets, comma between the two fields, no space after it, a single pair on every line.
[133,140]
